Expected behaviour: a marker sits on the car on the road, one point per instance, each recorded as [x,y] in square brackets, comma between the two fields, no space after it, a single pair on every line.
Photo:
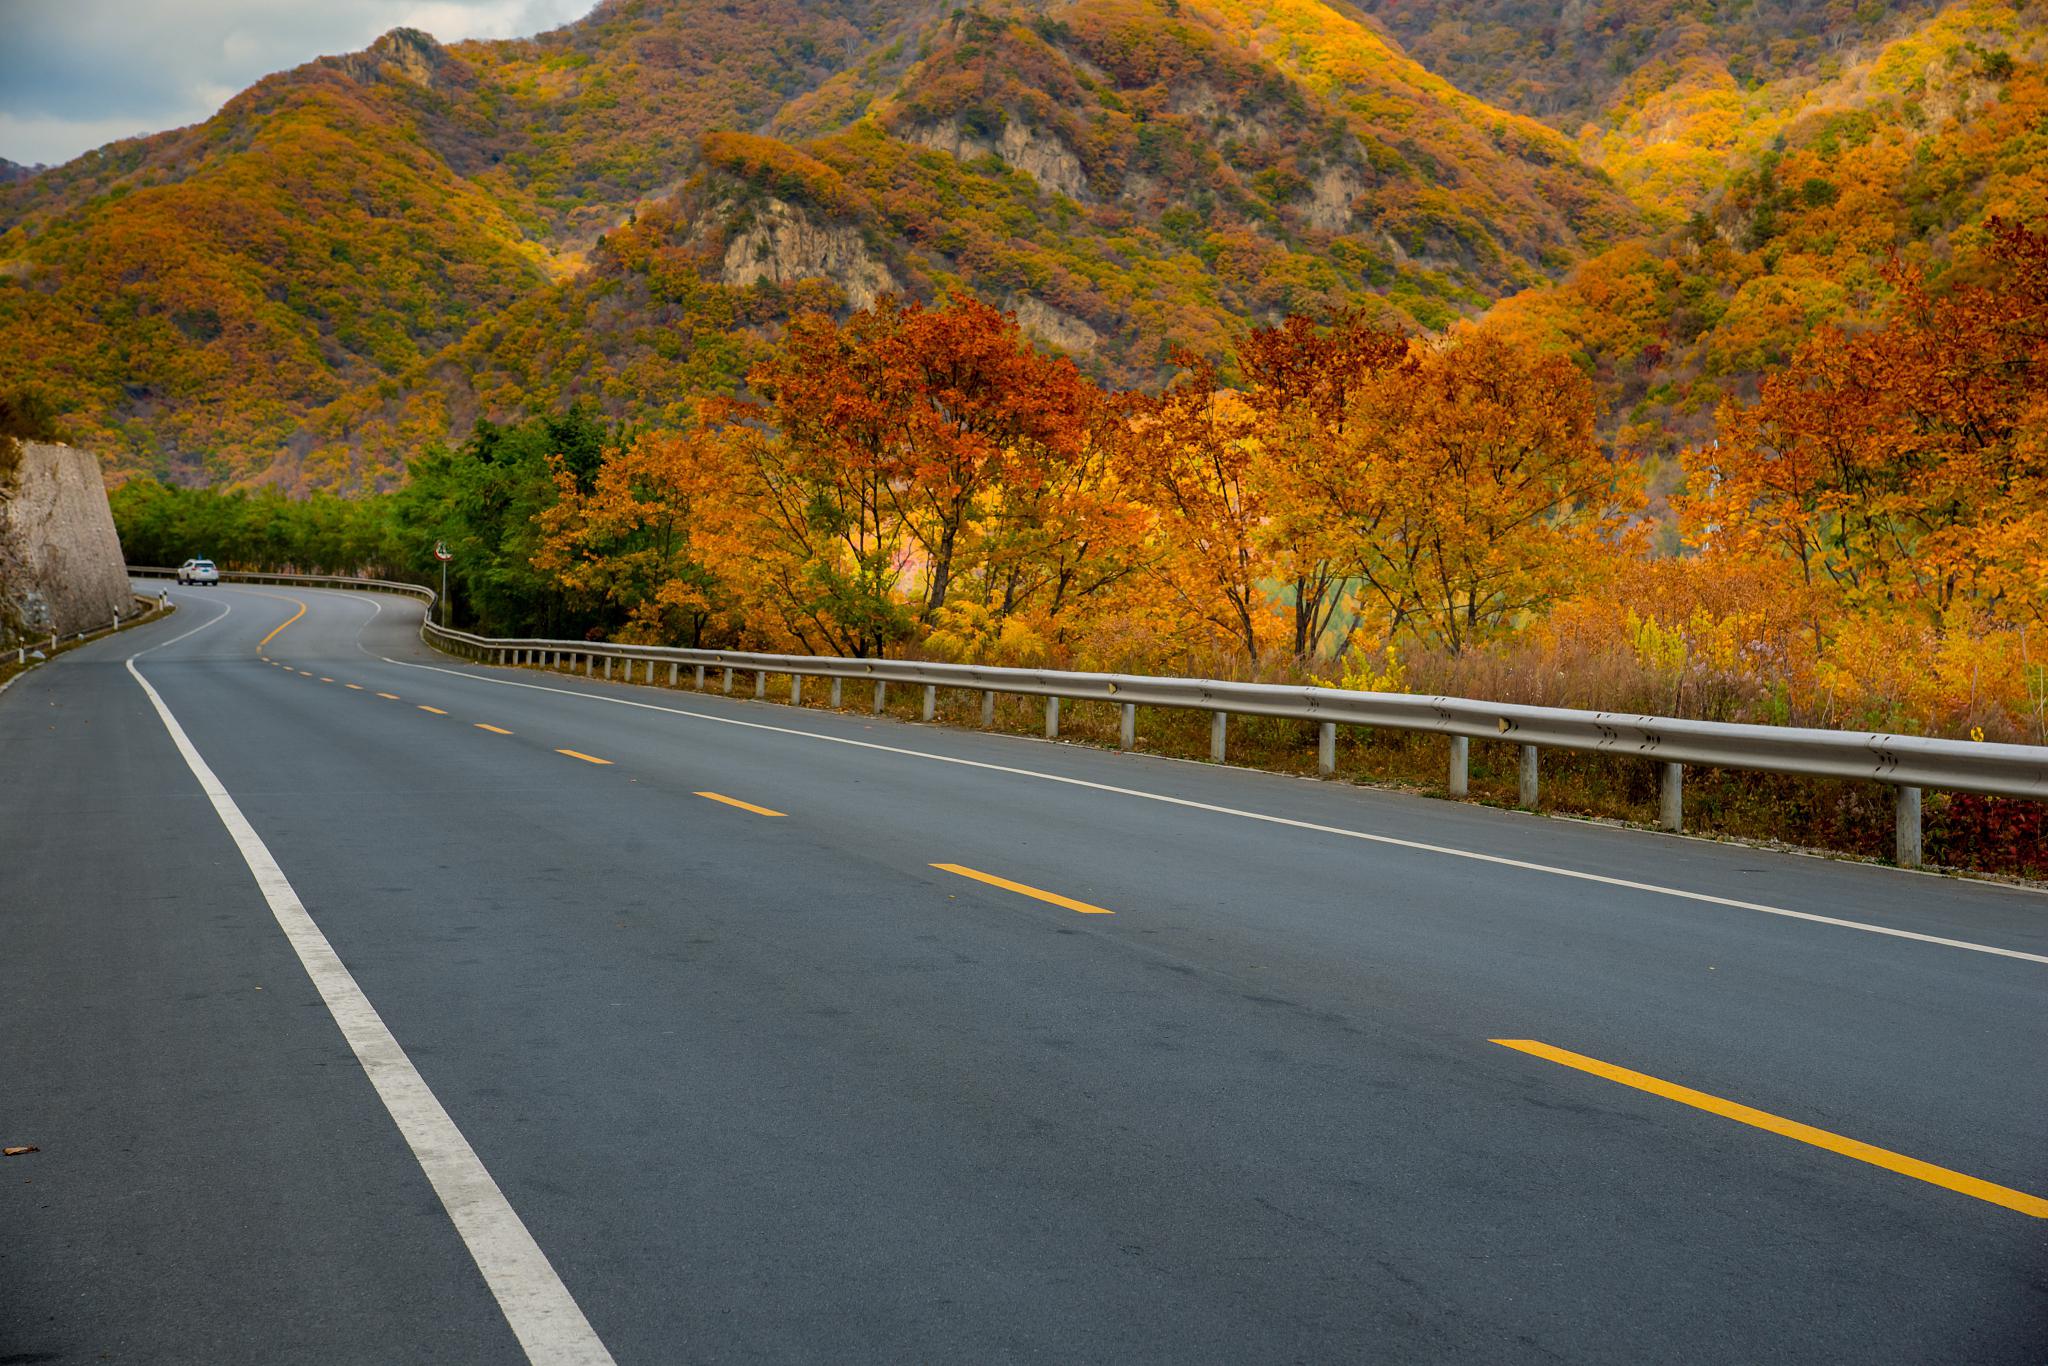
[198,571]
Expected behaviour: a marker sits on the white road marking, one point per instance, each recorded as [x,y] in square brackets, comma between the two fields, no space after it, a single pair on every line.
[543,1315]
[1448,851]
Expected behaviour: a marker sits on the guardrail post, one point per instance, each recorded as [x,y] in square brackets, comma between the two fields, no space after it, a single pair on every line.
[1671,798]
[1527,796]
[760,686]
[836,681]
[1326,748]
[796,690]
[988,708]
[590,666]
[1460,783]
[881,695]
[1052,718]
[931,700]
[1219,722]
[1127,726]
[1907,845]
[700,678]
[675,672]
[728,680]
[608,667]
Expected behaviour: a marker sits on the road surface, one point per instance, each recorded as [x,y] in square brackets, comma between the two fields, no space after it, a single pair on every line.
[366,1005]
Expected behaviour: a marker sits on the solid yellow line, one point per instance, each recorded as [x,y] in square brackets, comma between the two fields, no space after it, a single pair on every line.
[1054,897]
[495,730]
[354,687]
[281,625]
[586,758]
[744,806]
[424,707]
[1789,1128]
[391,695]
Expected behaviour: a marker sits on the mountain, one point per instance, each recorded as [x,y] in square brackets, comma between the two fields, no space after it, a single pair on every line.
[1897,162]
[11,171]
[365,253]
[1572,63]
[364,256]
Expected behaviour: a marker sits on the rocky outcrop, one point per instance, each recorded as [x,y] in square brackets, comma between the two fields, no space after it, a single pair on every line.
[1331,196]
[1042,156]
[404,54]
[60,561]
[783,242]
[1042,322]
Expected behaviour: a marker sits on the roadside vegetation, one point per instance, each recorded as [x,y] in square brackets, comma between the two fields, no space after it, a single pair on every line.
[1860,547]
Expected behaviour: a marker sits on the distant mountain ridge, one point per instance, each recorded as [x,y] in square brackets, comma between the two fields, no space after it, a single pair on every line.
[293,289]
[365,255]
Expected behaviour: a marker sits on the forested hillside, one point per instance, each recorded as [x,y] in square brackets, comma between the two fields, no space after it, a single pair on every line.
[372,250]
[1897,163]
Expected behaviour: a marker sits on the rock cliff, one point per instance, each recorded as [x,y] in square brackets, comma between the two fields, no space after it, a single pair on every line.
[60,561]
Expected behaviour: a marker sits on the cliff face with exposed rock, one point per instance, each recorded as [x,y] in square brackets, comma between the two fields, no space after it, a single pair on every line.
[60,561]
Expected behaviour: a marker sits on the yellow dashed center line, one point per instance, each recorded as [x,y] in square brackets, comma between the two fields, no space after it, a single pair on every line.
[744,806]
[392,696]
[1788,1128]
[424,707]
[305,673]
[586,758]
[1037,893]
[326,680]
[353,687]
[495,730]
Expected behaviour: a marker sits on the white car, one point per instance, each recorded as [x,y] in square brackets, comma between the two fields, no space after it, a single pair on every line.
[198,571]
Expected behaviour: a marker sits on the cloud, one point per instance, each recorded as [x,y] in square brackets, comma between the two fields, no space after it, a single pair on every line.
[77,74]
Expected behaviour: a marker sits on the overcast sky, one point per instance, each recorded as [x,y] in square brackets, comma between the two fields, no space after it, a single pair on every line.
[77,74]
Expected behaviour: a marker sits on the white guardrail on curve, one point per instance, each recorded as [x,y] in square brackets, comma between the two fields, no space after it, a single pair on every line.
[1906,763]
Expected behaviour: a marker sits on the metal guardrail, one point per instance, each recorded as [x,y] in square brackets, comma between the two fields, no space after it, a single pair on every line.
[1906,763]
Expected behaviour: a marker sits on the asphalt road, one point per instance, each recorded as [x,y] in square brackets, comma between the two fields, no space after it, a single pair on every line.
[756,1079]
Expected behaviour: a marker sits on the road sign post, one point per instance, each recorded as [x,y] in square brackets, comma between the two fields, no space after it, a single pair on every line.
[443,554]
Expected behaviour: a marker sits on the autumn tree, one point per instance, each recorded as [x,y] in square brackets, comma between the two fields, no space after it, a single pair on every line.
[1471,487]
[629,539]
[1190,455]
[1907,466]
[818,452]
[1303,382]
[973,412]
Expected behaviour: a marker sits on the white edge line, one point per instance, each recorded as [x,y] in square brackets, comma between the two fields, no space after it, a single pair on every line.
[542,1314]
[1447,851]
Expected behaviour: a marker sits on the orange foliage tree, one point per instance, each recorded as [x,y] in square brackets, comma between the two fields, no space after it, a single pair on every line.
[1907,466]
[632,540]
[1304,383]
[1190,457]
[1470,489]
[912,453]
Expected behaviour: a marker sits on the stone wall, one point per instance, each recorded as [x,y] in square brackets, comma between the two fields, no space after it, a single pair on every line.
[60,561]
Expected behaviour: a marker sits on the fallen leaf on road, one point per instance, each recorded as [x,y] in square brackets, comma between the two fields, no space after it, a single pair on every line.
[17,1152]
